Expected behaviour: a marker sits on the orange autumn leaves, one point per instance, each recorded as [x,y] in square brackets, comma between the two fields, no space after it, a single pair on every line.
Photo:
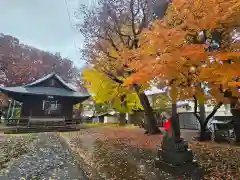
[168,51]
[207,14]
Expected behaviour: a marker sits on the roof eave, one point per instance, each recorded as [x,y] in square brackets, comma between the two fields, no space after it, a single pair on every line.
[47,77]
[7,91]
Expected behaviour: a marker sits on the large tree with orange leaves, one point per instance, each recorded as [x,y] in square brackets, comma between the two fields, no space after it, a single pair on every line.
[216,35]
[109,29]
[173,51]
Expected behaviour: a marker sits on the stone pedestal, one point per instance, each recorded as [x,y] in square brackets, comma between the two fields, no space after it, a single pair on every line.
[175,153]
[175,157]
[186,168]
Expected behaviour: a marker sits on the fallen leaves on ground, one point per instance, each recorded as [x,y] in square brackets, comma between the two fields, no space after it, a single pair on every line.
[121,153]
[115,155]
[220,161]
[12,147]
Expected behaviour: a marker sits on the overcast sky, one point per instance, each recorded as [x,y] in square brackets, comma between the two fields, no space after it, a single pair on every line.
[43,24]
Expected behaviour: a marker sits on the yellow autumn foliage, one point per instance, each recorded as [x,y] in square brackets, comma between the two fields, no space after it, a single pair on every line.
[106,91]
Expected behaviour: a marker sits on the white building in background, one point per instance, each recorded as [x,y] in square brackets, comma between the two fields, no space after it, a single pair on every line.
[111,117]
[185,110]
[224,110]
[88,109]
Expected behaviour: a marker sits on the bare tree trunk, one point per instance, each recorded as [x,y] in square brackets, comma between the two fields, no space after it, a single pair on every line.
[236,116]
[151,125]
[203,120]
[122,119]
[202,117]
[175,118]
[236,125]
[202,112]
[212,114]
[132,118]
[175,122]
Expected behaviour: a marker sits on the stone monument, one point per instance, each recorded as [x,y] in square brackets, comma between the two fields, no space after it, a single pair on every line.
[174,156]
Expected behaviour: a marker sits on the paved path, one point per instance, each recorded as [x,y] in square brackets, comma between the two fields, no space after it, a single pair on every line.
[48,159]
[188,134]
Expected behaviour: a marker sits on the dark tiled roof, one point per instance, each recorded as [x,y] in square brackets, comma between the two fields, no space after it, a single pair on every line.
[48,91]
[47,77]
[32,89]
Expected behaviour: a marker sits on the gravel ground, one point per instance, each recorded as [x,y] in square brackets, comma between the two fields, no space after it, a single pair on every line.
[46,159]
[11,148]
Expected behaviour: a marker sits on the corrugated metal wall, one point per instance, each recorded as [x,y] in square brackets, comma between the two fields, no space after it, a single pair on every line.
[187,120]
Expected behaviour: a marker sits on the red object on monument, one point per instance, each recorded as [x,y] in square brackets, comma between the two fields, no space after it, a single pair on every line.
[167,124]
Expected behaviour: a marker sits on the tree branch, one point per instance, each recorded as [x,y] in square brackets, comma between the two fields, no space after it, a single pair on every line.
[144,19]
[105,52]
[133,19]
[112,43]
[113,77]
[212,113]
